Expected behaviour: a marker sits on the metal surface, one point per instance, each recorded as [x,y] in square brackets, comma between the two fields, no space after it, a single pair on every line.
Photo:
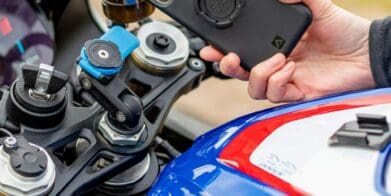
[116,138]
[44,76]
[159,62]
[10,142]
[131,175]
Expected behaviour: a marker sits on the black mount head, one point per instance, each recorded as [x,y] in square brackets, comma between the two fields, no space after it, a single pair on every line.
[38,99]
[26,160]
[124,108]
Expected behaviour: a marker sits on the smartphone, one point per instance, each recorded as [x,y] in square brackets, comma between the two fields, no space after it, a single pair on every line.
[253,29]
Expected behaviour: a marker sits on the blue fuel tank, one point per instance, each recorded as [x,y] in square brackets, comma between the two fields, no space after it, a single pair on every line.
[296,149]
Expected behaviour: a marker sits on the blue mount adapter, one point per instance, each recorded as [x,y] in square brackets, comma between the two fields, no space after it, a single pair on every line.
[131,2]
[102,58]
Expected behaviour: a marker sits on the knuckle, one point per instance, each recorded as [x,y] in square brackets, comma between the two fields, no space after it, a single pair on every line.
[228,68]
[258,73]
[255,94]
[273,80]
[274,99]
[273,96]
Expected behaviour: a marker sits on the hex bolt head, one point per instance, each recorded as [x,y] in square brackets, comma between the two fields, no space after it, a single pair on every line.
[196,64]
[116,138]
[86,84]
[162,41]
[10,143]
[120,116]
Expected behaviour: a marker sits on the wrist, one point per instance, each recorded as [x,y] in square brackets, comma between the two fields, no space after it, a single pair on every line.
[380,51]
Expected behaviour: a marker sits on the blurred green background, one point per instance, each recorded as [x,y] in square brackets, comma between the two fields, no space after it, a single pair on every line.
[367,8]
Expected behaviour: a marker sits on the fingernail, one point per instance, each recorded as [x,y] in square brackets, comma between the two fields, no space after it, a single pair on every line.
[284,1]
[277,59]
[231,55]
[202,52]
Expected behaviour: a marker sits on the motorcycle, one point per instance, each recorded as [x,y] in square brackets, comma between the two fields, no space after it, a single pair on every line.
[94,123]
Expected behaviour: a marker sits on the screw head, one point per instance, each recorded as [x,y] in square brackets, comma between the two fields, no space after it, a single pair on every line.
[104,54]
[120,116]
[10,142]
[196,64]
[86,84]
[162,41]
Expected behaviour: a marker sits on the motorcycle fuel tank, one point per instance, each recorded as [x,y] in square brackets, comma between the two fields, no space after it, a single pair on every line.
[330,146]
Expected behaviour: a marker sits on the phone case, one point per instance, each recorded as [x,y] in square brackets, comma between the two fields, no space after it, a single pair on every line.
[254,29]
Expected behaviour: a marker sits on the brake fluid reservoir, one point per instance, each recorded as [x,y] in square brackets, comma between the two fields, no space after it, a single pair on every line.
[127,11]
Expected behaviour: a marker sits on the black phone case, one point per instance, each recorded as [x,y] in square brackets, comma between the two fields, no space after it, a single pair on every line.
[254,29]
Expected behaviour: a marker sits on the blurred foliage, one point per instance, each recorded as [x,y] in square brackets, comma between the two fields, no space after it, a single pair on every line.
[367,8]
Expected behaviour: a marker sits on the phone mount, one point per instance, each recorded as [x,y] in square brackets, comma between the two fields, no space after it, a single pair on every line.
[101,60]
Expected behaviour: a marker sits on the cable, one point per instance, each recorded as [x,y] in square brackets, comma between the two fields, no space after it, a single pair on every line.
[163,158]
[11,127]
[381,170]
[87,98]
[6,132]
[167,146]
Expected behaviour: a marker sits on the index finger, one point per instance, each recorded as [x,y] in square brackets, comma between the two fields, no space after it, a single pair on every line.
[211,54]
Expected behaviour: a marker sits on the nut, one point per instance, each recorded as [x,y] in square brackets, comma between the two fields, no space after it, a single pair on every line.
[163,61]
[10,142]
[118,139]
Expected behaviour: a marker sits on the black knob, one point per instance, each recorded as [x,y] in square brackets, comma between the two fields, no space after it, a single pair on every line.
[43,77]
[135,108]
[104,54]
[27,160]
[129,122]
[162,41]
[39,98]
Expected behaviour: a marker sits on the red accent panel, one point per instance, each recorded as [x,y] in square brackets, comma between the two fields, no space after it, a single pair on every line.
[237,152]
[5,26]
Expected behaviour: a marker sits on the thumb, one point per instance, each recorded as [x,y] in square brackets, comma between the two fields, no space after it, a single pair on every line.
[318,7]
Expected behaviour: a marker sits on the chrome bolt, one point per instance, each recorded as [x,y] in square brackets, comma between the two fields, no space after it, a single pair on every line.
[10,142]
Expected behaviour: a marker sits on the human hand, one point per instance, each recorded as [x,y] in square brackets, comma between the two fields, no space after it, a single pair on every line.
[332,57]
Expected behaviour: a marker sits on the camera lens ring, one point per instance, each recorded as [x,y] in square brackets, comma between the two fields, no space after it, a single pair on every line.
[164,3]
